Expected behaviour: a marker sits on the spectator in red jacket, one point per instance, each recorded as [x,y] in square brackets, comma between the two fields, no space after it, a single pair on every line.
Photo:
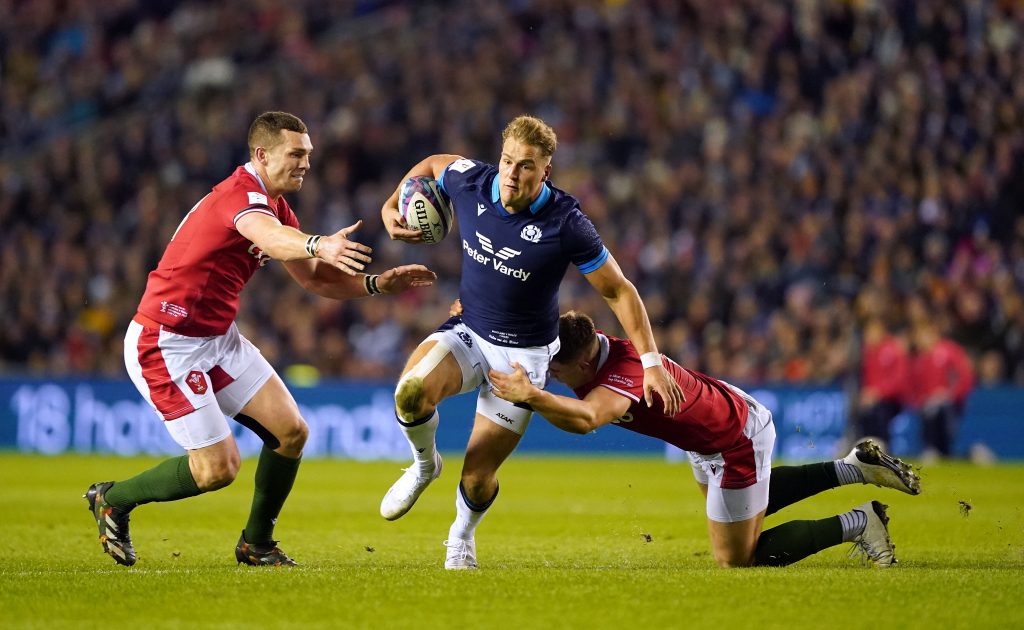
[884,365]
[941,377]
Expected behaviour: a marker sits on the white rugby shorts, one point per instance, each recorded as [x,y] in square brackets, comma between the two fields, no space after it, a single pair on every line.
[744,470]
[476,356]
[182,377]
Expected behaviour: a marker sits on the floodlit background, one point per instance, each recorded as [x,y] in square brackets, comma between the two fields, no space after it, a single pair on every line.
[775,177]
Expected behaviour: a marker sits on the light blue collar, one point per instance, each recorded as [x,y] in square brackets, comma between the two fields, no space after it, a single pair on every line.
[535,205]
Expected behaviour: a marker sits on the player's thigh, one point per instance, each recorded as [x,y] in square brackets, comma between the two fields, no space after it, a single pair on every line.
[733,543]
[489,446]
[275,410]
[439,368]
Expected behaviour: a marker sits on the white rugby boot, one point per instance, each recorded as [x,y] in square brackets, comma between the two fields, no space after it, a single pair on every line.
[461,555]
[874,544]
[403,493]
[882,469]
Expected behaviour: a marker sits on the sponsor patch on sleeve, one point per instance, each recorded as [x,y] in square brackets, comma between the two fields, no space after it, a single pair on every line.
[255,197]
[462,165]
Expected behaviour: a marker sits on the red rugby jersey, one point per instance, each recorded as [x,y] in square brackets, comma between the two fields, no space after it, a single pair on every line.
[196,287]
[710,421]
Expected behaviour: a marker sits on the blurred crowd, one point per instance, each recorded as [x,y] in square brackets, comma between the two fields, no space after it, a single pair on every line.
[773,175]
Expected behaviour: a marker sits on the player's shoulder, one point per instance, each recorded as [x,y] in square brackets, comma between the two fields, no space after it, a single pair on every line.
[467,171]
[621,350]
[565,209]
[241,188]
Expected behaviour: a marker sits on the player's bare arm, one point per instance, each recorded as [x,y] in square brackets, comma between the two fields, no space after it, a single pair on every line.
[599,408]
[329,282]
[394,223]
[285,243]
[623,299]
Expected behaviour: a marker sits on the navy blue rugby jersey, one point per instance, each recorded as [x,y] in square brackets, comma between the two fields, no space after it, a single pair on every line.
[513,264]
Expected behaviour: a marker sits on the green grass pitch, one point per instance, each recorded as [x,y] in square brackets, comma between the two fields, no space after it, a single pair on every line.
[572,542]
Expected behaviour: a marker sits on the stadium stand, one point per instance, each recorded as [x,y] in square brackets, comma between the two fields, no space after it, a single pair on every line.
[771,174]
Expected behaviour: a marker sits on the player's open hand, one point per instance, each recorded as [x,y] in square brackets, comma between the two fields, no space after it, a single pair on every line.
[514,387]
[397,229]
[407,276]
[349,256]
[657,379]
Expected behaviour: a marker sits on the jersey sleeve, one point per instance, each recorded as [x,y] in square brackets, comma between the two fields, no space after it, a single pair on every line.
[240,203]
[620,375]
[460,174]
[582,242]
[622,372]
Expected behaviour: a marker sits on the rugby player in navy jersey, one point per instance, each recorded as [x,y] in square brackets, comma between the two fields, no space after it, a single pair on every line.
[519,236]
[729,438]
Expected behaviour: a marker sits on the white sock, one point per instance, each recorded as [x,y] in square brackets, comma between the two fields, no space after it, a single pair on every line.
[467,517]
[853,523]
[421,441]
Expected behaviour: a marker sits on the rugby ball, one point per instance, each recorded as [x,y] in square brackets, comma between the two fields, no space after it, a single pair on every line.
[425,207]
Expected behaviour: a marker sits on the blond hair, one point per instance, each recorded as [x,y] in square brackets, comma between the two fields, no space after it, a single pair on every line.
[532,131]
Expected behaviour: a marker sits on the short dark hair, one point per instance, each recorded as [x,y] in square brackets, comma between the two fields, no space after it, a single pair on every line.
[265,131]
[577,334]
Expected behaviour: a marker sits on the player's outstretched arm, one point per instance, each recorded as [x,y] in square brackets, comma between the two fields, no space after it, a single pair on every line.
[328,281]
[623,299]
[402,278]
[287,244]
[394,223]
[600,407]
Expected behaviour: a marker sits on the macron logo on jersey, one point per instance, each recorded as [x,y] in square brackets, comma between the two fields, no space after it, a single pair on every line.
[260,198]
[496,259]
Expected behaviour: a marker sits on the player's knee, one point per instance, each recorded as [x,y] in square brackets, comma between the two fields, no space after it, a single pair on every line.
[412,400]
[734,558]
[293,438]
[213,475]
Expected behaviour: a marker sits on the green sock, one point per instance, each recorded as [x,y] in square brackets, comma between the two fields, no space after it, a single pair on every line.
[790,484]
[275,475]
[169,480]
[793,541]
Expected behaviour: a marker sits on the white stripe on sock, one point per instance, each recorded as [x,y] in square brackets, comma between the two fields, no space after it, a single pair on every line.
[848,473]
[853,523]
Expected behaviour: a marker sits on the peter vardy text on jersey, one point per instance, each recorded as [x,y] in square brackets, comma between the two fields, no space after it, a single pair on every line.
[498,265]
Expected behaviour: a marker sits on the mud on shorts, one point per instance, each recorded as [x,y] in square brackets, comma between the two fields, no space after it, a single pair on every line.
[476,356]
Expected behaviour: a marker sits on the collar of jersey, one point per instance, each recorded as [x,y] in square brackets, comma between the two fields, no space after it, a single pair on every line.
[252,171]
[602,354]
[535,206]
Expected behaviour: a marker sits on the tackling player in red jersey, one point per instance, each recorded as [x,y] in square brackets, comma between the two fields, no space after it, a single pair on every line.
[186,356]
[729,438]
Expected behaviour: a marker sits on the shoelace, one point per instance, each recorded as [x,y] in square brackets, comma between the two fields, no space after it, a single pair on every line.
[269,554]
[461,548]
[863,550]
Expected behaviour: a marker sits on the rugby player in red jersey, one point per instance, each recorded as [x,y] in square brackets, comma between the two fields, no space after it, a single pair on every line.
[729,438]
[186,356]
